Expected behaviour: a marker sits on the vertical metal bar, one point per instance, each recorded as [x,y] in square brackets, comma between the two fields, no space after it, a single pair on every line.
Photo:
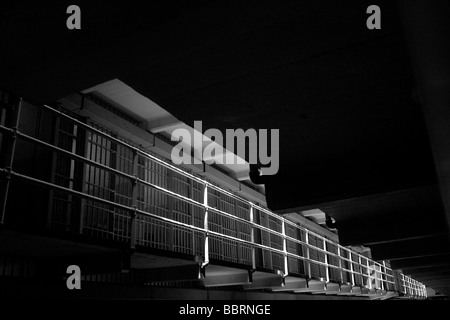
[341,272]
[283,231]
[408,285]
[171,185]
[379,275]
[57,126]
[252,237]
[85,172]
[238,230]
[411,287]
[134,194]
[191,210]
[372,272]
[368,274]
[360,269]
[96,186]
[71,216]
[110,151]
[416,286]
[327,271]
[9,157]
[205,225]
[268,263]
[308,263]
[404,284]
[352,275]
[92,188]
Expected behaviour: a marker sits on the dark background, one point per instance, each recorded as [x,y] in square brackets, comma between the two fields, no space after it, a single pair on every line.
[363,114]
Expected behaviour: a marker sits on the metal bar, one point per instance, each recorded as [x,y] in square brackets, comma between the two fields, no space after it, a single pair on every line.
[209,232]
[369,278]
[327,273]
[106,135]
[134,194]
[166,191]
[360,270]
[81,194]
[330,253]
[9,157]
[403,283]
[51,195]
[68,153]
[341,273]
[306,244]
[173,194]
[252,237]
[238,233]
[180,171]
[308,265]
[207,208]
[191,212]
[81,124]
[84,175]
[205,226]
[351,268]
[179,196]
[285,256]
[170,214]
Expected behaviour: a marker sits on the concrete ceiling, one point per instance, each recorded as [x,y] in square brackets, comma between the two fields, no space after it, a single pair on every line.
[155,119]
[360,137]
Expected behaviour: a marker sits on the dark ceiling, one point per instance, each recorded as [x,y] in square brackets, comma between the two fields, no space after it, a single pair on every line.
[355,107]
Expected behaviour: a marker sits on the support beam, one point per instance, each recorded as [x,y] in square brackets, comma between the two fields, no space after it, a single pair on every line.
[345,290]
[332,288]
[313,285]
[356,290]
[292,284]
[167,124]
[226,280]
[216,276]
[242,175]
[263,280]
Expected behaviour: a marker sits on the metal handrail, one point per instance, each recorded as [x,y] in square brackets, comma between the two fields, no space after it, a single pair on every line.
[383,270]
[178,170]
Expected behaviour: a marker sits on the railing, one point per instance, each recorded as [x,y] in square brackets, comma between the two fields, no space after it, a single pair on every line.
[104,187]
